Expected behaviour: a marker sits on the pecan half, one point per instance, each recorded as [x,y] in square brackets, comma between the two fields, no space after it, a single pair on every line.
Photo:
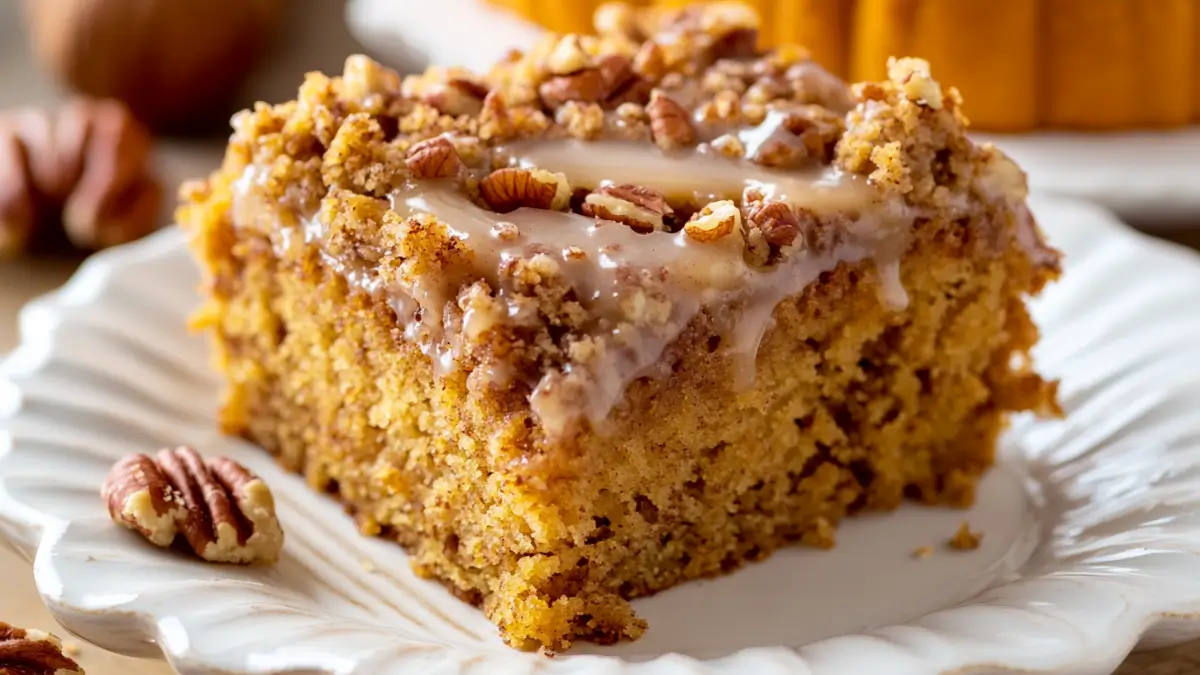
[32,652]
[142,498]
[717,220]
[224,512]
[509,189]
[669,122]
[641,208]
[434,158]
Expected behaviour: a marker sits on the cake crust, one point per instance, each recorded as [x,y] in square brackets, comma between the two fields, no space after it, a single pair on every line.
[619,313]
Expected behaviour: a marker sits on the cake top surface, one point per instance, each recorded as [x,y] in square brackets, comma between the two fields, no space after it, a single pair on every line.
[562,218]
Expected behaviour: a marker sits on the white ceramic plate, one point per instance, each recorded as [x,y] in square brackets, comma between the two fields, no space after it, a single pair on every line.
[1092,524]
[1147,177]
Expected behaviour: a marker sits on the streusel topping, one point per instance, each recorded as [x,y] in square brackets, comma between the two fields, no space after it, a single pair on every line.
[557,222]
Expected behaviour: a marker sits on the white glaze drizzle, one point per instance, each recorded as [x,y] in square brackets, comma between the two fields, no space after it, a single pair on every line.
[693,275]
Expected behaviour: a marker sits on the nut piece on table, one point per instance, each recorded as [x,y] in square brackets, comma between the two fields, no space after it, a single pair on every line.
[32,652]
[86,166]
[641,208]
[224,512]
[717,220]
[506,190]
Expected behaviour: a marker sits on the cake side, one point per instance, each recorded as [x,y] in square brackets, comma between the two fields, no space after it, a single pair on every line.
[469,389]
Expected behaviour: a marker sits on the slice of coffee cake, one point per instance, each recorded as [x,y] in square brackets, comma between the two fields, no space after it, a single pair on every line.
[620,313]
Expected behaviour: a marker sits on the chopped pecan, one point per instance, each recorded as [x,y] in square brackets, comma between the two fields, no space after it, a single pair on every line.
[649,62]
[739,43]
[494,121]
[32,652]
[768,89]
[778,223]
[587,86]
[717,220]
[584,121]
[434,158]
[621,83]
[813,84]
[457,96]
[611,82]
[616,18]
[669,122]
[914,79]
[729,146]
[817,128]
[779,151]
[641,208]
[568,56]
[506,231]
[224,512]
[469,86]
[508,189]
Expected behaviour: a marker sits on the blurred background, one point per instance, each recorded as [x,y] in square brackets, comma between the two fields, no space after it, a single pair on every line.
[107,105]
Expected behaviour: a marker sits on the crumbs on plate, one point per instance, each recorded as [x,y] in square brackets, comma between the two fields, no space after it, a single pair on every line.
[964,539]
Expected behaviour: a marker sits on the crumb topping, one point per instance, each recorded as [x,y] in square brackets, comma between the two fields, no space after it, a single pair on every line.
[564,216]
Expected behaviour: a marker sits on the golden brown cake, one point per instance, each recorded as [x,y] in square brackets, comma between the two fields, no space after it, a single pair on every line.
[620,313]
[1021,64]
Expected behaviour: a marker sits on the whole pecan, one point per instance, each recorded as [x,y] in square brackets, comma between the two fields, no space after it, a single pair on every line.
[83,170]
[32,652]
[224,512]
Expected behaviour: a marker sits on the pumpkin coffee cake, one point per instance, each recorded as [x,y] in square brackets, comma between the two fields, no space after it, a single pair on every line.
[620,313]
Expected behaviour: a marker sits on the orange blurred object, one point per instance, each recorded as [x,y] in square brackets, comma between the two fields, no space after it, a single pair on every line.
[1021,64]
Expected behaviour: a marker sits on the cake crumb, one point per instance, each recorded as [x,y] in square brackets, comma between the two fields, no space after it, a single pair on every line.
[367,565]
[922,552]
[821,535]
[547,652]
[964,539]
[71,649]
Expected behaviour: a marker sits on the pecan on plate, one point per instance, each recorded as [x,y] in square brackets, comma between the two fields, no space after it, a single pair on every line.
[32,652]
[224,512]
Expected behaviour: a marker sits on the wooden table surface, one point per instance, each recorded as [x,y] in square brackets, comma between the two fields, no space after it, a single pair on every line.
[314,41]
